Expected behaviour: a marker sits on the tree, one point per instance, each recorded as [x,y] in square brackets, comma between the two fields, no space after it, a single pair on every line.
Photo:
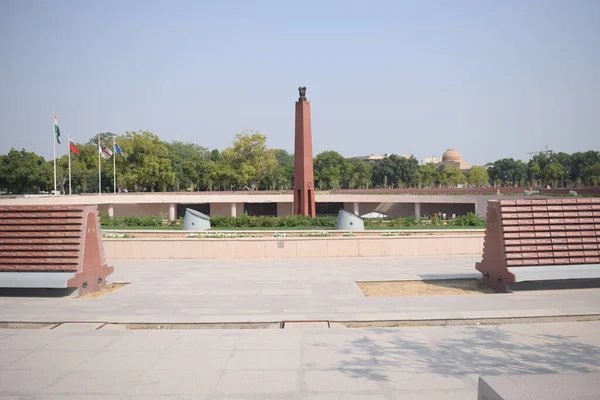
[190,165]
[400,171]
[508,172]
[580,162]
[107,138]
[328,170]
[215,155]
[534,173]
[25,172]
[427,175]
[283,177]
[591,174]
[478,176]
[554,172]
[451,176]
[251,159]
[147,167]
[360,172]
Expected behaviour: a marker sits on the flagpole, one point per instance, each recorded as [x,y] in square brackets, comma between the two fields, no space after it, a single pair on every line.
[69,151]
[99,171]
[54,147]
[114,166]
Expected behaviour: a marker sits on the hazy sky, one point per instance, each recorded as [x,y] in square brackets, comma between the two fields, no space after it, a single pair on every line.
[492,79]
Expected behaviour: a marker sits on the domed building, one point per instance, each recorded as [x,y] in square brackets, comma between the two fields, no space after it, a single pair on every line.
[453,158]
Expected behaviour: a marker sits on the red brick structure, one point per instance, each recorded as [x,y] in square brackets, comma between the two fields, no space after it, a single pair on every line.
[540,236]
[52,242]
[304,178]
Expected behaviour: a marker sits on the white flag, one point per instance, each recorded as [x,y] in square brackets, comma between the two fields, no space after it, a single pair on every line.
[105,152]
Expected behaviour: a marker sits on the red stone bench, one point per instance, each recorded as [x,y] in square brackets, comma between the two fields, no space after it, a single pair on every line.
[541,240]
[52,247]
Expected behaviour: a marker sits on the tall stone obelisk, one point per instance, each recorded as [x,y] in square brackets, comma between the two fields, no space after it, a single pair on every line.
[304,178]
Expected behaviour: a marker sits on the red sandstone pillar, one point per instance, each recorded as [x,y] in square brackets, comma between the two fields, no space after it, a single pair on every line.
[304,180]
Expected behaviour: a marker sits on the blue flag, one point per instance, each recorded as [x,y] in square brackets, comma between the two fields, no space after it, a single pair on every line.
[119,151]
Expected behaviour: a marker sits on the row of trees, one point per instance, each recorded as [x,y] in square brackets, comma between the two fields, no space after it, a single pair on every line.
[548,168]
[249,164]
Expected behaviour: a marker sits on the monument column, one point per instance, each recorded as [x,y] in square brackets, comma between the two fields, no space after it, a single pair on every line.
[304,193]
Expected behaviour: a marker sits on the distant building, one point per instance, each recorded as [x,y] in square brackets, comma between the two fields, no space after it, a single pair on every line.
[432,160]
[377,157]
[450,157]
[453,158]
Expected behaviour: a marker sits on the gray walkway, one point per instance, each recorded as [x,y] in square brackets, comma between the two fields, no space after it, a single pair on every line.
[297,289]
[397,363]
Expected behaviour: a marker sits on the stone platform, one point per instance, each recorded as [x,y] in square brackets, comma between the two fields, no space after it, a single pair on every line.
[216,291]
[424,363]
[83,358]
[581,386]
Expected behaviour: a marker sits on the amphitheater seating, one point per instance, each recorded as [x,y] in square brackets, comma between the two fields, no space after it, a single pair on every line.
[52,247]
[550,239]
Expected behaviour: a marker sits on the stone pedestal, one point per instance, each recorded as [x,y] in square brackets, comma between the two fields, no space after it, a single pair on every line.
[304,194]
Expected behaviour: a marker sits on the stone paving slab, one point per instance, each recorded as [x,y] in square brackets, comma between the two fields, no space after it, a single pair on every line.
[218,291]
[384,363]
[540,387]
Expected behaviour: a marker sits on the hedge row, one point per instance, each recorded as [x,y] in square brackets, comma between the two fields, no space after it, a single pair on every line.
[291,221]
[130,221]
[298,221]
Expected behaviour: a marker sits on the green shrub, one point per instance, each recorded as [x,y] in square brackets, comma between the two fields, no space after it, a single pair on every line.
[290,221]
[150,221]
[410,221]
[130,221]
[105,220]
[469,219]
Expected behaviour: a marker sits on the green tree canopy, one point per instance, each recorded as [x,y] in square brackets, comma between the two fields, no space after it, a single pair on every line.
[478,176]
[451,176]
[190,165]
[508,172]
[147,167]
[251,159]
[25,172]
[328,170]
[396,171]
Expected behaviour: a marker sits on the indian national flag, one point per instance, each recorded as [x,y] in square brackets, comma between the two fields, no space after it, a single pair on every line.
[72,147]
[56,129]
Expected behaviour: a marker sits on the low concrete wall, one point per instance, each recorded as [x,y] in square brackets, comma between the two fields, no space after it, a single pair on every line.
[162,248]
[180,234]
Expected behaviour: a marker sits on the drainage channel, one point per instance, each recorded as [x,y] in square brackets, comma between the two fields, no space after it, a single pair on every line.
[312,324]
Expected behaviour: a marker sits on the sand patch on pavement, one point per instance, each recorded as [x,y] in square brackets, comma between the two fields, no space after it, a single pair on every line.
[423,288]
[110,287]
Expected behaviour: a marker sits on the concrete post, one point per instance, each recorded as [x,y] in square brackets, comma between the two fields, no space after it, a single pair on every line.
[355,208]
[111,211]
[234,209]
[418,210]
[172,211]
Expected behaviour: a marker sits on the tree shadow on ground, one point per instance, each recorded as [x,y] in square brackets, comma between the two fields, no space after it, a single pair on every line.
[476,350]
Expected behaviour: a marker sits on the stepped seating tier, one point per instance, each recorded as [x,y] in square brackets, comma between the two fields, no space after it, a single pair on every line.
[52,247]
[541,240]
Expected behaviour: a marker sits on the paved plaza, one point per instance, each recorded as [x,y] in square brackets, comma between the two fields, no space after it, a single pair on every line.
[384,363]
[76,360]
[187,291]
